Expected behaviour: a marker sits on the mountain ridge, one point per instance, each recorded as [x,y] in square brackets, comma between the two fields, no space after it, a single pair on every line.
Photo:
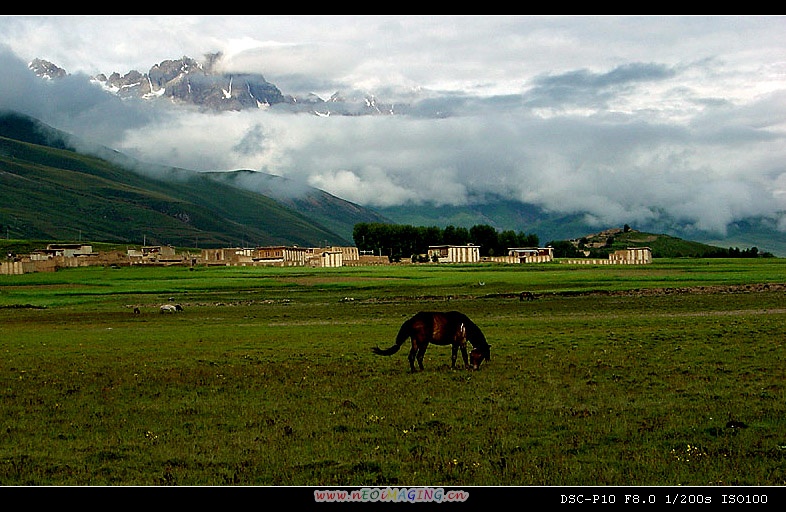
[202,84]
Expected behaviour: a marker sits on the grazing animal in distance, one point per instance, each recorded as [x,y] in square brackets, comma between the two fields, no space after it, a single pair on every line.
[171,308]
[136,311]
[526,296]
[440,328]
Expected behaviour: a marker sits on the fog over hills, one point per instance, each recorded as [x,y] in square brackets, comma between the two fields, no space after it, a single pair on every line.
[50,191]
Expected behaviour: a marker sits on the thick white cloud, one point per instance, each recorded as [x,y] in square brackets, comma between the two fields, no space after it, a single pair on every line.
[623,118]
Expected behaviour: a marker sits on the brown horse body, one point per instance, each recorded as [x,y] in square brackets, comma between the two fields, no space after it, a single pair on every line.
[448,328]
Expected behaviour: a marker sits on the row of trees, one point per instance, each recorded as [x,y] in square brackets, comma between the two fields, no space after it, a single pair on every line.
[399,241]
[736,252]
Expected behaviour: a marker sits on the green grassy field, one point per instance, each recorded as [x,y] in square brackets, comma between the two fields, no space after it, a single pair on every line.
[664,374]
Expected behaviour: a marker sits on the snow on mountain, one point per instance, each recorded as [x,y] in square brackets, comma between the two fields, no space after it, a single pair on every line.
[46,69]
[188,81]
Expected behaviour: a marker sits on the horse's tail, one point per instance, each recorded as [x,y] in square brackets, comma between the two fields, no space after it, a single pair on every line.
[403,334]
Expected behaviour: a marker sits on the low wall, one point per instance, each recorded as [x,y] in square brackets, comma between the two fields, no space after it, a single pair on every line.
[604,262]
[26,265]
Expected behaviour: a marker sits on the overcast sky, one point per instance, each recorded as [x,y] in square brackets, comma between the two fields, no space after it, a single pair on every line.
[622,117]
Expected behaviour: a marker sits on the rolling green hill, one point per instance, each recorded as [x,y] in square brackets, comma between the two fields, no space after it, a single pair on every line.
[49,191]
[663,246]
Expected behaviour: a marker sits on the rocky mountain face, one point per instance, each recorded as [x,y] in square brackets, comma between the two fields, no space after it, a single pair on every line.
[187,81]
[202,84]
[46,69]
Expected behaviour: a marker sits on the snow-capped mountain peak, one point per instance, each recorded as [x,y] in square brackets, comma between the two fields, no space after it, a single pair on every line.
[188,81]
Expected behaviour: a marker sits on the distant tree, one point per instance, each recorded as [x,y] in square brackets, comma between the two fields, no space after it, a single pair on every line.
[528,240]
[486,237]
[565,249]
[506,240]
[404,241]
[372,237]
[453,235]
[430,236]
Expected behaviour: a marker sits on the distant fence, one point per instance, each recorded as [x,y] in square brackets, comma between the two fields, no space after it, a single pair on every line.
[587,261]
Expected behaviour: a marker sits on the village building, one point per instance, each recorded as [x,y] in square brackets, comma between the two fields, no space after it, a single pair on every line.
[63,255]
[326,258]
[228,256]
[279,255]
[332,257]
[532,254]
[63,250]
[454,253]
[348,253]
[57,256]
[629,256]
[156,255]
[633,255]
[71,255]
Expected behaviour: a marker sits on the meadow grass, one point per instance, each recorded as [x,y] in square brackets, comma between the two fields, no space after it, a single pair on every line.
[267,377]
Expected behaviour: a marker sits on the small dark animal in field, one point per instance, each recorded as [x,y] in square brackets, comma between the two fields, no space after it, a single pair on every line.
[448,328]
[136,311]
[171,308]
[526,296]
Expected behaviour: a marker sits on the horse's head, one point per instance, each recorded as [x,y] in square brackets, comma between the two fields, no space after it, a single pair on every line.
[477,356]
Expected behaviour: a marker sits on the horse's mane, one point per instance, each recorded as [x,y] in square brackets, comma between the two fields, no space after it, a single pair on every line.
[474,334]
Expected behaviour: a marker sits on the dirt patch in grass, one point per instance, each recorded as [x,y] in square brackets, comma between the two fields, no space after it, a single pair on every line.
[642,292]
[318,280]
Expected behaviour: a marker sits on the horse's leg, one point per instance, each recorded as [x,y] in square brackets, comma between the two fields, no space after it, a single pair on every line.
[454,355]
[464,355]
[460,342]
[411,357]
[421,353]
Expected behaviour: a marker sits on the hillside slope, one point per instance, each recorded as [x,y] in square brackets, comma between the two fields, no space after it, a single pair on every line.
[603,243]
[49,191]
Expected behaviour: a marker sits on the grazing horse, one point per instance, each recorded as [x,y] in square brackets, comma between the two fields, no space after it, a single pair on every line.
[450,328]
[171,308]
